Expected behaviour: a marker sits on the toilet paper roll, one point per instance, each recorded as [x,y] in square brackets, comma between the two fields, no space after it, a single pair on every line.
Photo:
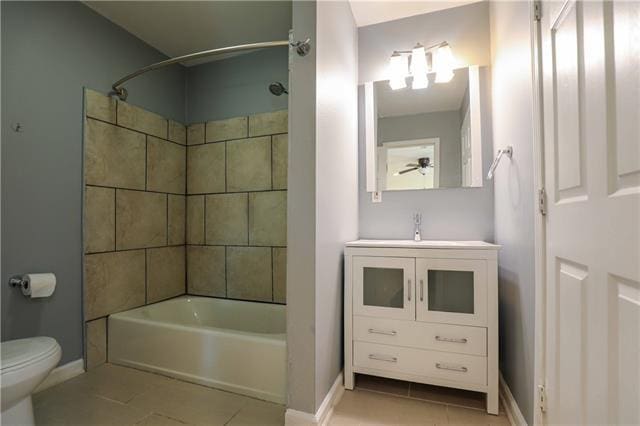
[39,285]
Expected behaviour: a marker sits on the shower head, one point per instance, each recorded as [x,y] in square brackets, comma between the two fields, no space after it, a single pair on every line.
[277,88]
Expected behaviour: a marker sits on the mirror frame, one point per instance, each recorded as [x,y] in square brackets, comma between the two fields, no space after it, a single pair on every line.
[371,132]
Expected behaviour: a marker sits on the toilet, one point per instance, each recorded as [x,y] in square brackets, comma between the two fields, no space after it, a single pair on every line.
[25,363]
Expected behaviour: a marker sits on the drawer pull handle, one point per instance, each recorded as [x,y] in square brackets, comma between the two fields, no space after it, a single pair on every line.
[450,339]
[451,367]
[383,358]
[388,333]
[422,290]
[409,289]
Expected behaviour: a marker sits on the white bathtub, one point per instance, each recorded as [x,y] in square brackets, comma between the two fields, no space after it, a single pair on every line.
[226,344]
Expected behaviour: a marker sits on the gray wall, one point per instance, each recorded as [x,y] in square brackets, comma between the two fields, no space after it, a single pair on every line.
[466,28]
[301,217]
[442,124]
[462,213]
[514,196]
[51,50]
[237,86]
[337,182]
[323,137]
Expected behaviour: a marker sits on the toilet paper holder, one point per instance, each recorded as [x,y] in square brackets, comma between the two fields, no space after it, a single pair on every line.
[19,281]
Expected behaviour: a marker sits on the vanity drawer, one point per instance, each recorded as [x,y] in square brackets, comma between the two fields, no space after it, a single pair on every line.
[422,335]
[437,365]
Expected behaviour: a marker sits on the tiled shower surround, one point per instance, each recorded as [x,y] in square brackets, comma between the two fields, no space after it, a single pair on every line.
[170,210]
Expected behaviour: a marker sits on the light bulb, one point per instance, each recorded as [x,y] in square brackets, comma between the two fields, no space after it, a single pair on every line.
[398,71]
[420,82]
[419,68]
[444,64]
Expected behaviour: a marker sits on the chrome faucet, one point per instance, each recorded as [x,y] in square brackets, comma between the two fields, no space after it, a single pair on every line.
[417,221]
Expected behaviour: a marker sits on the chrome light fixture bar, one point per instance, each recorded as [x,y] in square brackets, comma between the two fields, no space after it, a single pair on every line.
[302,48]
[437,57]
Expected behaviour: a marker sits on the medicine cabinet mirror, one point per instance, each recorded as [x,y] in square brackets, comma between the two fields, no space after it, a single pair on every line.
[425,138]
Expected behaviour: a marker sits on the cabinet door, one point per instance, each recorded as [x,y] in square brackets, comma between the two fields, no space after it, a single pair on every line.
[384,287]
[452,291]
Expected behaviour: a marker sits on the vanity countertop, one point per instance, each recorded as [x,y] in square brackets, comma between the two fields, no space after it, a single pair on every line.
[436,244]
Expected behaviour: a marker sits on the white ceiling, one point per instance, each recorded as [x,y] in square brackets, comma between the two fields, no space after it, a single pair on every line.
[436,97]
[180,27]
[368,12]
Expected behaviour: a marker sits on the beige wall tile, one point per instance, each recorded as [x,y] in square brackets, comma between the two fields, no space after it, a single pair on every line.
[226,219]
[195,134]
[141,219]
[268,218]
[166,166]
[249,164]
[99,219]
[205,171]
[96,335]
[113,156]
[99,106]
[177,219]
[195,219]
[113,282]
[249,273]
[279,275]
[165,273]
[279,145]
[222,130]
[206,271]
[268,123]
[177,132]
[144,121]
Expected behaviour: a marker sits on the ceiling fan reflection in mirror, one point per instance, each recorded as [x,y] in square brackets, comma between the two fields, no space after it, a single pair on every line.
[421,166]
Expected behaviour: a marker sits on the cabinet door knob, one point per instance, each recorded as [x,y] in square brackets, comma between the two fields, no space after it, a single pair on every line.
[450,339]
[451,367]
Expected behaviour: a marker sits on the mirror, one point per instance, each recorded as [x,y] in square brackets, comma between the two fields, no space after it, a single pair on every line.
[426,138]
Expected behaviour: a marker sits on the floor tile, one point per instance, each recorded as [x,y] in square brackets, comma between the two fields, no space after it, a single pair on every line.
[451,396]
[468,416]
[382,384]
[52,407]
[158,420]
[191,403]
[259,413]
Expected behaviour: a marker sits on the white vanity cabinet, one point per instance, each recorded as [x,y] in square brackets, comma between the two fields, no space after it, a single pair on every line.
[423,311]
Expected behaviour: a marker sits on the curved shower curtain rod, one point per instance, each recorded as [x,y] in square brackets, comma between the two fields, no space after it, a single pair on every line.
[302,48]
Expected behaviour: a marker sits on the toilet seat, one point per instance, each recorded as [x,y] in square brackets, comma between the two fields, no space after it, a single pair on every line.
[18,354]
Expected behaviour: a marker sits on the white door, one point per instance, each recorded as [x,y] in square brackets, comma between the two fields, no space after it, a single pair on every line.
[384,287]
[465,147]
[451,291]
[591,79]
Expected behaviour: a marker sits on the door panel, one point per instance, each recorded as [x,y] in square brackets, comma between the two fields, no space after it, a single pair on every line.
[451,291]
[384,287]
[591,60]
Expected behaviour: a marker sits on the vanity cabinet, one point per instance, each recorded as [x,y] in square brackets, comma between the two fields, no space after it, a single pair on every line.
[423,311]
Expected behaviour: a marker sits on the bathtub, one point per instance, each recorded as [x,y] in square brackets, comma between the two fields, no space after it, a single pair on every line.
[226,344]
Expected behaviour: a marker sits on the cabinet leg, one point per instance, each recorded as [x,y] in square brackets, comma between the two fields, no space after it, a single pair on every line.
[349,380]
[493,402]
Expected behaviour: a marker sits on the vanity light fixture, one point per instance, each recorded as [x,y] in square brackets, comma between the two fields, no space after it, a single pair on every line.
[444,63]
[419,67]
[440,57]
[398,70]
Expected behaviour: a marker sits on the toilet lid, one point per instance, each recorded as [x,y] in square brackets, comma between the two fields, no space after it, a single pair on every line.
[23,351]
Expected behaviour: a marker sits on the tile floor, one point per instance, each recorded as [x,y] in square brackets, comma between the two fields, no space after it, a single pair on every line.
[381,401]
[114,395]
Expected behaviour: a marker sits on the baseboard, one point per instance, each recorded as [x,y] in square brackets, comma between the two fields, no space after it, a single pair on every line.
[510,405]
[299,418]
[62,374]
